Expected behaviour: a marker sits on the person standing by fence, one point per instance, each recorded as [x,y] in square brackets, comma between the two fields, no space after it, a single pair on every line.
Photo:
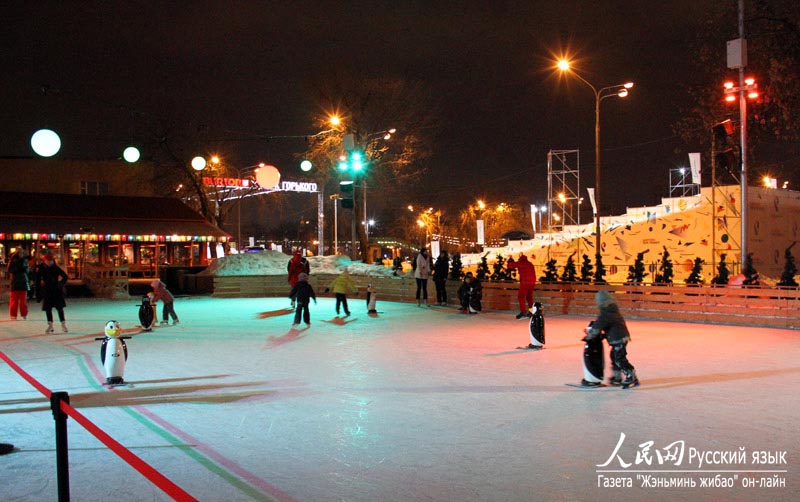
[422,270]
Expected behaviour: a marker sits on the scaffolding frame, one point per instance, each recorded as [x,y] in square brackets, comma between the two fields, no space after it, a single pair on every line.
[563,188]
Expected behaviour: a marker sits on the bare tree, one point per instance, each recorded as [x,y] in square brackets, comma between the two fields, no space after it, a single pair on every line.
[369,109]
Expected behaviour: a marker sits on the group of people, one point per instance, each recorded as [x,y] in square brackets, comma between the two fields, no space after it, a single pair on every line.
[46,282]
[469,293]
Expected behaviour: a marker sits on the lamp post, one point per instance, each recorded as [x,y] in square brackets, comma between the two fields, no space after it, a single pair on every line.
[619,90]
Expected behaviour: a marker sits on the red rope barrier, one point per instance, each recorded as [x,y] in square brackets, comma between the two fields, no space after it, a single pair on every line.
[152,475]
[128,456]
[41,388]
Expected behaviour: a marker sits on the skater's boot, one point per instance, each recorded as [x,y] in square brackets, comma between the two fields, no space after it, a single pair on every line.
[419,303]
[616,379]
[49,327]
[64,327]
[630,380]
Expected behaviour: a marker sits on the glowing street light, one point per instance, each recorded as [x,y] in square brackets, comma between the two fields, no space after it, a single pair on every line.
[620,91]
[45,142]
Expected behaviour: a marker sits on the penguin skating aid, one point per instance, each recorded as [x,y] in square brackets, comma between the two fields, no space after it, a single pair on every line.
[536,327]
[113,353]
[147,312]
[592,364]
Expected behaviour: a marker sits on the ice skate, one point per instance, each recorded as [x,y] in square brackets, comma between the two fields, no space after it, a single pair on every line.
[630,380]
[175,322]
[64,327]
[616,379]
[520,316]
[49,327]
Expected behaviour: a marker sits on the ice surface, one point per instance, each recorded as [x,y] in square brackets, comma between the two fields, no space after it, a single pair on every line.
[415,404]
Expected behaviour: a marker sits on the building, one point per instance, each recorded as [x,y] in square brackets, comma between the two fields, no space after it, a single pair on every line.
[99,219]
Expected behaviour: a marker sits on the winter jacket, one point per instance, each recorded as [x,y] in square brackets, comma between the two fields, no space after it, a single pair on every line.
[296,266]
[52,279]
[611,324]
[527,272]
[302,292]
[440,269]
[18,270]
[160,292]
[343,284]
[423,269]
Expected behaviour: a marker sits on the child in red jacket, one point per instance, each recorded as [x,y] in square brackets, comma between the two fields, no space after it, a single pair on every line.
[160,292]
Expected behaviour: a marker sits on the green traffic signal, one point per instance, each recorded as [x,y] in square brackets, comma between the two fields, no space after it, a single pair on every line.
[353,163]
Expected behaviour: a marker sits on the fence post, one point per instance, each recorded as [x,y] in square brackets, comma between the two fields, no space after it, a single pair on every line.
[62,452]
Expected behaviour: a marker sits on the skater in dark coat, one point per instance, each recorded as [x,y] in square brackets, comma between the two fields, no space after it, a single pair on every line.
[52,280]
[440,270]
[302,294]
[611,325]
[470,294]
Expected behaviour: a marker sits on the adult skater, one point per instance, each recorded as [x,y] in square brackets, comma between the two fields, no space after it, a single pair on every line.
[302,293]
[340,286]
[297,265]
[53,280]
[611,324]
[18,296]
[422,270]
[469,293]
[527,282]
[440,270]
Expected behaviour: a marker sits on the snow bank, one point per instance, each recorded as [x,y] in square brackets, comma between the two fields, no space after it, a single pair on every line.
[274,263]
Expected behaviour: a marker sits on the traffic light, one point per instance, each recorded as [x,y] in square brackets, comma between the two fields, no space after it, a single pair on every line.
[727,159]
[352,161]
[346,194]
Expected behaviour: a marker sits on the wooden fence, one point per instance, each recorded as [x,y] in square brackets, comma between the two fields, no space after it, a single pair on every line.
[764,307]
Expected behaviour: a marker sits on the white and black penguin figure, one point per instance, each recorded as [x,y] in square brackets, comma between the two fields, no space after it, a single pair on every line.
[113,353]
[537,326]
[592,361]
[371,300]
[147,312]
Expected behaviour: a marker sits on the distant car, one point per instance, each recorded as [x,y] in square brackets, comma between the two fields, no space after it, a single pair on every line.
[253,249]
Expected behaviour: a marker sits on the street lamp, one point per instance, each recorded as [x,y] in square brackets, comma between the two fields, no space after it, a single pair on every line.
[620,91]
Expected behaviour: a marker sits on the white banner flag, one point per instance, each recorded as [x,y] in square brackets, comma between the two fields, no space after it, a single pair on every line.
[591,199]
[480,232]
[694,165]
[533,216]
[435,249]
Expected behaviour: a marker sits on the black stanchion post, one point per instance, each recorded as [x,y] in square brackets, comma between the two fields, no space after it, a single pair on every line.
[62,452]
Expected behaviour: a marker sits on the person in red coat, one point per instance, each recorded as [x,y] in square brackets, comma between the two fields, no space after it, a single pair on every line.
[527,281]
[296,266]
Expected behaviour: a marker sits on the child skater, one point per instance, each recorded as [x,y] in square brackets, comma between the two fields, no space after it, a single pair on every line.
[302,293]
[611,324]
[160,292]
[340,287]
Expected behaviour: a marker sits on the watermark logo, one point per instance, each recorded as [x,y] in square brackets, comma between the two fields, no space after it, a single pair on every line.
[677,466]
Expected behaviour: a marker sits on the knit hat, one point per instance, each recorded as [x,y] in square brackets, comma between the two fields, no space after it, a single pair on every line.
[604,299]
[302,277]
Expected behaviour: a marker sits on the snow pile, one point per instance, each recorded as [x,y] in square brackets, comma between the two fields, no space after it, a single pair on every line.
[274,263]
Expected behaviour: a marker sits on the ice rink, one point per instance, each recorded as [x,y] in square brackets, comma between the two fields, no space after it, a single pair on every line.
[413,404]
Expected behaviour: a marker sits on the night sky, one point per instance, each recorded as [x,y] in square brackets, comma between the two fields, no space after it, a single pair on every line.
[243,69]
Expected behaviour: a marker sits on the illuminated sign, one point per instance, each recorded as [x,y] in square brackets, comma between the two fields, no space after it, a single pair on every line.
[218,181]
[296,186]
